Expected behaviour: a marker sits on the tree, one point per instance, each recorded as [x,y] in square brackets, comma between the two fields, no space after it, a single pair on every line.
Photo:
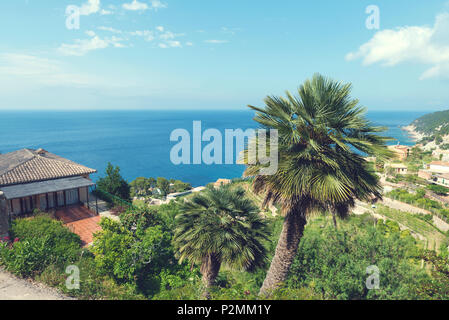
[322,136]
[114,183]
[164,185]
[220,226]
[179,186]
[140,186]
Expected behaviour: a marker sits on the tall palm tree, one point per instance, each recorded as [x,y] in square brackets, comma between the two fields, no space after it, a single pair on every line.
[220,226]
[323,136]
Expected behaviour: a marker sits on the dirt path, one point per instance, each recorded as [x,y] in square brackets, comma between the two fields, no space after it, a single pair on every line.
[13,288]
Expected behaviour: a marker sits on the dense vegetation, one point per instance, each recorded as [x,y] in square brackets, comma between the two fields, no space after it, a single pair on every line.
[221,227]
[144,187]
[436,123]
[418,199]
[135,259]
[43,248]
[218,244]
[322,134]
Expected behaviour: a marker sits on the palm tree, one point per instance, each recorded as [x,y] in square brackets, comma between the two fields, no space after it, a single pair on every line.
[220,226]
[323,136]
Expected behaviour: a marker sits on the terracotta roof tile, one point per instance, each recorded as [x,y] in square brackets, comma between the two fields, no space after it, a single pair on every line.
[28,165]
[440,163]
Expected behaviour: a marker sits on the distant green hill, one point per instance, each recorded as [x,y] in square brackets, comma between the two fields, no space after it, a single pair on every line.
[436,123]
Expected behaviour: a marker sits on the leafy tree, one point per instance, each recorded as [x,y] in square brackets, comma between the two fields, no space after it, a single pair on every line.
[164,185]
[138,251]
[179,186]
[114,183]
[334,263]
[220,226]
[322,136]
[140,186]
[436,287]
[152,182]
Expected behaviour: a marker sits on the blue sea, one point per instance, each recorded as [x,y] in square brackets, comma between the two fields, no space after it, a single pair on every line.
[139,141]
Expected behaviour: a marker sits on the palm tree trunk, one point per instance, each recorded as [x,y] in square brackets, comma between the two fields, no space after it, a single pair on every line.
[334,219]
[209,269]
[286,250]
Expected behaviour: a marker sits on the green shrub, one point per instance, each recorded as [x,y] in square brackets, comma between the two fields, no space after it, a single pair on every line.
[334,263]
[64,245]
[42,241]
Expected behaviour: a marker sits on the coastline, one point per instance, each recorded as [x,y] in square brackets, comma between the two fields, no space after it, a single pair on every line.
[415,135]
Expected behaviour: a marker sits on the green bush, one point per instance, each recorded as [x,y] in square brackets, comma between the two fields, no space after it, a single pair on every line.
[137,251]
[42,241]
[334,263]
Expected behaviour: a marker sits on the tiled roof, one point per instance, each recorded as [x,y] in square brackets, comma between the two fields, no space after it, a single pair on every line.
[440,163]
[29,165]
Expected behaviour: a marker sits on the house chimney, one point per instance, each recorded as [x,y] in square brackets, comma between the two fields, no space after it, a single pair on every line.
[41,151]
[4,219]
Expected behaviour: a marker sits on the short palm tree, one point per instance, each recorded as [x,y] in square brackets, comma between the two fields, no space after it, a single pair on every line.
[323,136]
[220,226]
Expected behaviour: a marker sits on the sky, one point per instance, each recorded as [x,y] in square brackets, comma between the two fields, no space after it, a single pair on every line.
[210,54]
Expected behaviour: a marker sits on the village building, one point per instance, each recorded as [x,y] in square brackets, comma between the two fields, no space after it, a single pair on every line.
[37,179]
[441,179]
[438,167]
[398,168]
[222,182]
[425,174]
[443,155]
[401,152]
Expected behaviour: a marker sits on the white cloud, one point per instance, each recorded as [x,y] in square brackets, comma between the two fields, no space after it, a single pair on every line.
[170,44]
[148,35]
[231,31]
[174,44]
[109,29]
[135,6]
[90,33]
[165,38]
[157,4]
[94,6]
[40,71]
[90,7]
[411,44]
[104,12]
[83,46]
[216,41]
[168,35]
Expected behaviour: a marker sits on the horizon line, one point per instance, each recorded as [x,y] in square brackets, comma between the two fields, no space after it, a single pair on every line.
[197,109]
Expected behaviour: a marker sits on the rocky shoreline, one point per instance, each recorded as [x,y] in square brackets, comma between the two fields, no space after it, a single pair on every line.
[415,135]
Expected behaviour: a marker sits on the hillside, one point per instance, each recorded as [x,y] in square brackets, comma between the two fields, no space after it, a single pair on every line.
[433,123]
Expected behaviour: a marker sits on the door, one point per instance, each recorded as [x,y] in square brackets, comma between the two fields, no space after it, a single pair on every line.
[51,200]
[60,199]
[72,197]
[43,202]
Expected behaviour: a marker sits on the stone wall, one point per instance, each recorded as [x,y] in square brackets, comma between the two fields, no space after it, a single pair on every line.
[4,219]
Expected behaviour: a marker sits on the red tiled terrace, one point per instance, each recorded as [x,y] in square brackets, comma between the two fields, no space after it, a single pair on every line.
[81,221]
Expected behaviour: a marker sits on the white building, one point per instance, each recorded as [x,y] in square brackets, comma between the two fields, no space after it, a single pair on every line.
[439,167]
